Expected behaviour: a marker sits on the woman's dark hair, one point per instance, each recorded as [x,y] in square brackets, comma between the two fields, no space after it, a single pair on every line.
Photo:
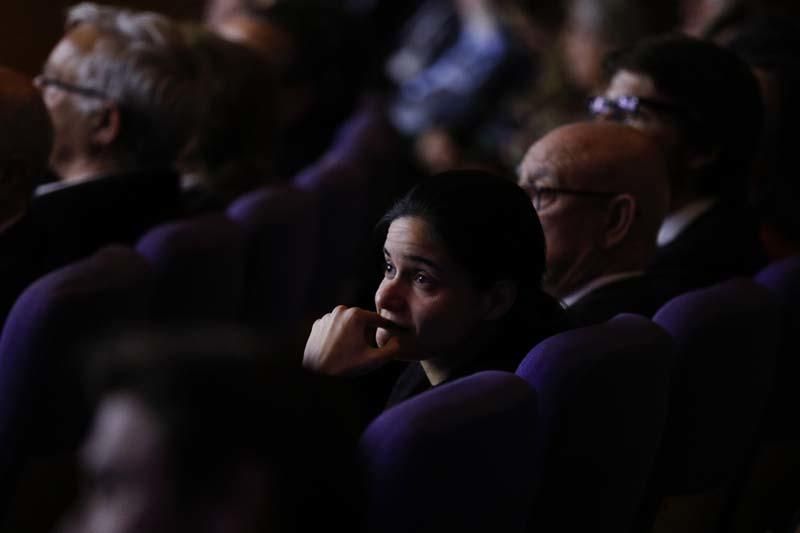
[718,92]
[487,224]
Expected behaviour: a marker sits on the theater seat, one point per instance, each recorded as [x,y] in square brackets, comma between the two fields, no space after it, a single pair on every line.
[456,458]
[726,338]
[281,226]
[770,496]
[42,408]
[603,398]
[199,267]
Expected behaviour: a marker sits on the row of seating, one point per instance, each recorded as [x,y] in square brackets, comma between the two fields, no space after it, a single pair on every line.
[630,425]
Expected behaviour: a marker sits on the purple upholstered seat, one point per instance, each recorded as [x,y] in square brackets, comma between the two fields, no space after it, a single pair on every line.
[769,497]
[199,266]
[41,408]
[282,226]
[456,458]
[603,398]
[726,340]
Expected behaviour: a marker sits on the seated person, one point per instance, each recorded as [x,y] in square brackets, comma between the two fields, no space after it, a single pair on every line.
[601,192]
[231,151]
[26,137]
[207,434]
[120,88]
[461,290]
[683,92]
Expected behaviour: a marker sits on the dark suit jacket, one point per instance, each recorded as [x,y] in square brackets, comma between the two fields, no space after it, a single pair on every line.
[22,260]
[642,295]
[81,218]
[722,243]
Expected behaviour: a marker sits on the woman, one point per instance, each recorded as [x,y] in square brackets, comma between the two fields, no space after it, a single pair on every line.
[461,292]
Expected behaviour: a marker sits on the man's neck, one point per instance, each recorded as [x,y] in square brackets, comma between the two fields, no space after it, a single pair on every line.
[81,170]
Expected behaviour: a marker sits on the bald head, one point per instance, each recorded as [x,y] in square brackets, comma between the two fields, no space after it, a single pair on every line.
[26,137]
[616,196]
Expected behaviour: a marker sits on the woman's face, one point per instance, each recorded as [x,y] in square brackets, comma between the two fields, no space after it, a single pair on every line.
[428,295]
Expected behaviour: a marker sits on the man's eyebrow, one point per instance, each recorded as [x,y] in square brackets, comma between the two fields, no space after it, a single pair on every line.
[415,259]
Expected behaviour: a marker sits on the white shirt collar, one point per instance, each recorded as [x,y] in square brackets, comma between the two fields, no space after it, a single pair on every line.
[573,297]
[675,223]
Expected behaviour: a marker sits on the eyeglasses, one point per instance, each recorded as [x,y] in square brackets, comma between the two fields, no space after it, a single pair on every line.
[41,81]
[542,197]
[626,106]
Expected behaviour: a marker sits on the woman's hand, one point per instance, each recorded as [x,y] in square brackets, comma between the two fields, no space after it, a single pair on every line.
[343,342]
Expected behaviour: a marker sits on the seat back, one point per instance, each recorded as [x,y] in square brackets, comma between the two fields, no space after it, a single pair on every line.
[456,458]
[603,400]
[726,339]
[199,267]
[281,226]
[42,409]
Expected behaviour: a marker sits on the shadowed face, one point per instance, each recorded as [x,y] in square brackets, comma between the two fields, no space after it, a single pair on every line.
[126,466]
[71,127]
[426,293]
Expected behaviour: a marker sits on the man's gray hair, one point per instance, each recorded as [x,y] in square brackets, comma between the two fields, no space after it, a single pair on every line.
[141,62]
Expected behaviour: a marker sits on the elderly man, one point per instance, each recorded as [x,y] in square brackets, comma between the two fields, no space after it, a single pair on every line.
[702,104]
[120,87]
[601,191]
[26,137]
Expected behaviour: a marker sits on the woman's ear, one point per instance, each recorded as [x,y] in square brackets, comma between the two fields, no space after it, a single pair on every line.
[621,214]
[499,299]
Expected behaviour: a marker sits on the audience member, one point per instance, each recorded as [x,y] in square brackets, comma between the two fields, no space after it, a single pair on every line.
[207,434]
[26,138]
[121,89]
[601,191]
[683,92]
[461,290]
[231,152]
[315,54]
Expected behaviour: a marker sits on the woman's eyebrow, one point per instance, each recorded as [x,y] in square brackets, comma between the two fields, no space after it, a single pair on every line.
[414,259]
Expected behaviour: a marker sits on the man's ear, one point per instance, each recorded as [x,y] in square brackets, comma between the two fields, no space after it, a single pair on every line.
[106,124]
[499,299]
[620,217]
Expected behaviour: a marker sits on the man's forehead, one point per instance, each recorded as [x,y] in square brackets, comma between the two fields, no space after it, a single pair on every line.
[78,42]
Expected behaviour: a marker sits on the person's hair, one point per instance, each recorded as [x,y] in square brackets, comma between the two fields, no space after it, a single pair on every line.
[141,63]
[772,45]
[487,224]
[223,404]
[719,94]
[231,151]
[624,22]
[26,138]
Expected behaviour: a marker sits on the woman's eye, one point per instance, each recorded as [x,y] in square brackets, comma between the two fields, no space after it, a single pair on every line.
[423,279]
[388,269]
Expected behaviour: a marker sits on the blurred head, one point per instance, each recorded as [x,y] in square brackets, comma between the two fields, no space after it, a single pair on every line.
[464,259]
[596,27]
[26,138]
[601,192]
[231,151]
[120,87]
[207,434]
[699,101]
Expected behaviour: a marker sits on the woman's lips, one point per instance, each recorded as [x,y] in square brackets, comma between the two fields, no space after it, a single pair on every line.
[382,335]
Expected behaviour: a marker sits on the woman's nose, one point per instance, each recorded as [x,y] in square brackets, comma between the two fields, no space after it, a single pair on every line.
[390,295]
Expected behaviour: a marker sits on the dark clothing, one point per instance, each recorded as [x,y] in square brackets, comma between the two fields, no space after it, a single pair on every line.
[721,243]
[22,254]
[83,217]
[642,295]
[414,381]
